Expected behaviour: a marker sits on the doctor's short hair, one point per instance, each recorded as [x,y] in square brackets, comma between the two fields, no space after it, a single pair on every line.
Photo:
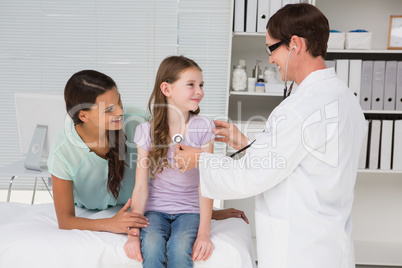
[303,20]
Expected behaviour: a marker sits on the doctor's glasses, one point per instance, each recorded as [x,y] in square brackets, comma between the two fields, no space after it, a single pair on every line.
[271,48]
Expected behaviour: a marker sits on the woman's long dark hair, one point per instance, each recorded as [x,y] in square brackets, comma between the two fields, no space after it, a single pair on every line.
[80,94]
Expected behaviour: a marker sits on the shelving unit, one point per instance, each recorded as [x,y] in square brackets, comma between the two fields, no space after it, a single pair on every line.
[377,210]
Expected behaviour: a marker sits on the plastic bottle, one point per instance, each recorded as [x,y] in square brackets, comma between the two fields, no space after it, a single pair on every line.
[239,76]
[270,75]
[260,86]
[256,70]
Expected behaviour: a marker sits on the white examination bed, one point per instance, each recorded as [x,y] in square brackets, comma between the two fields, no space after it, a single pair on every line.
[30,237]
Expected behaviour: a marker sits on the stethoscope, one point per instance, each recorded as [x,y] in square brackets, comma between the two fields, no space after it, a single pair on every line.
[177,139]
[286,94]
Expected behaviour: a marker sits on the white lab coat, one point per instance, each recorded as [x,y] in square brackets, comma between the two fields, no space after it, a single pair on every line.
[302,170]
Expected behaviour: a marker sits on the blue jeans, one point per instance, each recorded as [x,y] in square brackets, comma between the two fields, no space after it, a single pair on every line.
[168,240]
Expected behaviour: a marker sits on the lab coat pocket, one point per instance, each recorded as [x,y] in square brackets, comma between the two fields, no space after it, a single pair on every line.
[272,241]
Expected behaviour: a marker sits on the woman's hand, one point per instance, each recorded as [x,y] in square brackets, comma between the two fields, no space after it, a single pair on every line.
[133,248]
[202,248]
[126,222]
[229,134]
[229,213]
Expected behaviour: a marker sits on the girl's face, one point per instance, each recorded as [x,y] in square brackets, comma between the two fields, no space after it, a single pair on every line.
[187,91]
[107,112]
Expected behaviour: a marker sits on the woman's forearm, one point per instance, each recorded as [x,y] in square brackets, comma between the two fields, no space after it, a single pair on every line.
[73,222]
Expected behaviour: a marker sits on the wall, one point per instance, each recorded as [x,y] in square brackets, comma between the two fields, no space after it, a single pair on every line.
[371,15]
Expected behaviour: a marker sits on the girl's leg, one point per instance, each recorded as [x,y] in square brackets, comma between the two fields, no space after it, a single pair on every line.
[153,240]
[182,238]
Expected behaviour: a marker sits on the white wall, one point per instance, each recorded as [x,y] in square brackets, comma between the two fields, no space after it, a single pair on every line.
[370,15]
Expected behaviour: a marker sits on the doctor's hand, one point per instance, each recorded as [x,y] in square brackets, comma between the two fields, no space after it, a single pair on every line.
[229,134]
[186,157]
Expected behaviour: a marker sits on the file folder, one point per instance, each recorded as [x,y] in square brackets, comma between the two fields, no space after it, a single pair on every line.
[366,85]
[386,144]
[330,63]
[363,151]
[377,102]
[263,15]
[355,76]
[239,15]
[390,85]
[286,2]
[274,6]
[342,70]
[398,100]
[251,16]
[397,155]
[374,144]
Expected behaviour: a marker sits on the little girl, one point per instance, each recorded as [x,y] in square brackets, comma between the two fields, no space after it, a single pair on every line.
[179,217]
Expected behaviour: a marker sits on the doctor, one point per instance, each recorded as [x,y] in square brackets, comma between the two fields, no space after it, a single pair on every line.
[303,168]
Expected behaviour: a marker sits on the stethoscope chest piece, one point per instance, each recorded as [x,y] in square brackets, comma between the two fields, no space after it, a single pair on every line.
[178,138]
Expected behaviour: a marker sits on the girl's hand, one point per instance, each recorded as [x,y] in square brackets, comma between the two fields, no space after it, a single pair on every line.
[229,134]
[202,248]
[133,248]
[224,214]
[124,221]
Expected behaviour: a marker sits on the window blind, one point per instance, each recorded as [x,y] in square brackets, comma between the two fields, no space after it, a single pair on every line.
[44,42]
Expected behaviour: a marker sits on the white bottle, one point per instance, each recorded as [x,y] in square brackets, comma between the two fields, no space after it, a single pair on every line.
[239,76]
[251,84]
[270,75]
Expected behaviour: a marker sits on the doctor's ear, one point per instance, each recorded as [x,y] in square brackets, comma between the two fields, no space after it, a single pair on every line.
[296,42]
[166,89]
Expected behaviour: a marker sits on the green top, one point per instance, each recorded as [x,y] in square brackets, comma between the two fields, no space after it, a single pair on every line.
[71,159]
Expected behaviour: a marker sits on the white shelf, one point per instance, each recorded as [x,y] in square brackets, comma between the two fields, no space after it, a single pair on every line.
[346,51]
[368,51]
[248,34]
[379,171]
[246,93]
[378,253]
[382,112]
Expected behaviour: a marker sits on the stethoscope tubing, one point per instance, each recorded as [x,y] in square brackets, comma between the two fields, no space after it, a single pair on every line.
[285,95]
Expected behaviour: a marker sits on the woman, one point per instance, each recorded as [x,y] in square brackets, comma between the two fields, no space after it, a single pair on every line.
[90,162]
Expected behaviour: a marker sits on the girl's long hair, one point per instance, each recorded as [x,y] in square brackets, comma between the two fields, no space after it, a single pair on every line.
[169,71]
[80,94]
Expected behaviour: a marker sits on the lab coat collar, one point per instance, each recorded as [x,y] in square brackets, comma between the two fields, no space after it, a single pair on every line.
[315,77]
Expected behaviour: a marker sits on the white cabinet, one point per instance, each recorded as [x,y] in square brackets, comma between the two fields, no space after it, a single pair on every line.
[377,211]
[377,208]
[245,105]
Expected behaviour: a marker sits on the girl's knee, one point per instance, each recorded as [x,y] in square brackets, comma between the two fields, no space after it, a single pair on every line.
[153,244]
